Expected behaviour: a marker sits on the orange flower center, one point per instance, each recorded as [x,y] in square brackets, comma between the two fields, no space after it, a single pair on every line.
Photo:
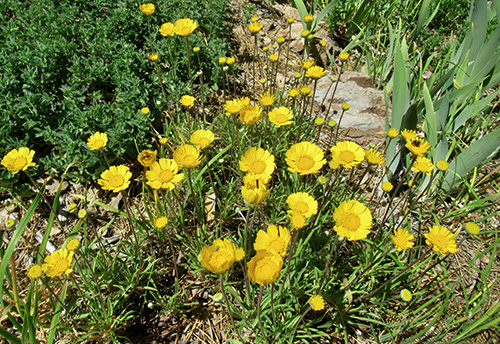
[305,162]
[116,181]
[165,176]
[347,156]
[301,207]
[351,222]
[257,166]
[19,162]
[62,265]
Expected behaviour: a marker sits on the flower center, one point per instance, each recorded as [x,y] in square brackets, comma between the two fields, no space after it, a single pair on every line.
[281,117]
[165,176]
[347,156]
[116,181]
[220,259]
[258,166]
[19,162]
[301,207]
[265,270]
[400,241]
[305,162]
[189,160]
[440,241]
[99,143]
[61,265]
[351,222]
[278,244]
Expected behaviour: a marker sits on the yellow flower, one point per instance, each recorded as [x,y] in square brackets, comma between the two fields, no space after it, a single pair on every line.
[305,158]
[148,9]
[97,141]
[266,99]
[332,123]
[250,114]
[409,135]
[406,295]
[344,56]
[231,60]
[82,213]
[297,220]
[374,157]
[18,160]
[153,57]
[254,195]
[147,157]
[255,27]
[10,222]
[187,101]
[273,57]
[305,33]
[252,181]
[308,18]
[322,43]
[347,154]
[423,165]
[184,27]
[281,116]
[163,174]
[196,49]
[280,40]
[258,161]
[254,18]
[290,20]
[302,203]
[187,156]
[232,106]
[73,244]
[220,256]
[441,240]
[306,91]
[442,165]
[322,179]
[353,220]
[58,263]
[145,110]
[35,271]
[311,36]
[202,138]
[217,297]
[306,64]
[345,106]
[402,239]
[317,303]
[276,240]
[297,75]
[392,133]
[167,29]
[163,140]
[472,228]
[319,120]
[293,93]
[265,267]
[222,60]
[387,186]
[116,178]
[315,72]
[161,222]
[418,146]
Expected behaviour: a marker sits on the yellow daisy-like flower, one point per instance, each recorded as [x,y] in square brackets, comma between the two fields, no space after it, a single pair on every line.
[187,101]
[306,64]
[145,110]
[265,267]
[273,57]
[409,135]
[232,106]
[418,146]
[276,239]
[345,106]
[82,213]
[441,240]
[10,222]
[353,220]
[297,220]
[231,60]
[305,33]
[222,60]
[308,18]
[332,123]
[317,303]
[347,154]
[281,116]
[472,228]
[167,29]
[153,57]
[280,40]
[315,72]
[322,43]
[406,295]
[266,99]
[344,56]
[424,165]
[18,160]
[187,156]
[402,239]
[393,133]
[73,244]
[163,174]
[255,195]
[374,157]
[442,165]
[220,256]
[202,138]
[255,27]
[254,18]
[319,120]
[305,158]
[184,27]
[148,9]
[116,178]
[387,186]
[290,20]
[163,140]
[293,93]
[97,141]
[250,114]
[306,91]
[58,263]
[302,203]
[161,222]
[252,181]
[147,157]
[34,271]
[258,161]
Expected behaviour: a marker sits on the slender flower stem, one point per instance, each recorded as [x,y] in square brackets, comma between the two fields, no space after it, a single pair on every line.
[259,317]
[272,306]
